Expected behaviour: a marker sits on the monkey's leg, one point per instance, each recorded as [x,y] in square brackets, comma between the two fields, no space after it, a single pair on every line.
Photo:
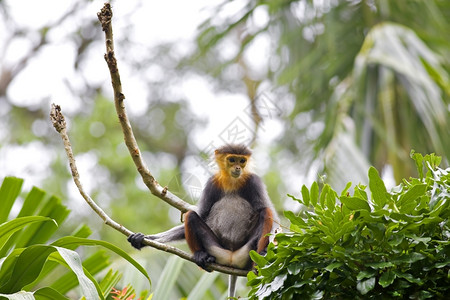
[202,241]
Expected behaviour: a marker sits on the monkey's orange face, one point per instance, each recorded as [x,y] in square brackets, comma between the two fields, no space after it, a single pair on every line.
[236,164]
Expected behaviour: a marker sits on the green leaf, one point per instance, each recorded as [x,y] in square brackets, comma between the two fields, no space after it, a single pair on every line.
[305,195]
[47,293]
[202,286]
[418,159]
[295,220]
[323,195]
[27,267]
[412,194]
[88,288]
[40,233]
[333,266]
[110,280]
[93,264]
[70,240]
[9,191]
[168,278]
[345,190]
[366,286]
[369,273]
[314,193]
[377,188]
[380,265]
[387,278]
[257,258]
[9,228]
[354,203]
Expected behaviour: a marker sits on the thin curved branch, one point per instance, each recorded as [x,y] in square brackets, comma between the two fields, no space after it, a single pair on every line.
[58,121]
[105,16]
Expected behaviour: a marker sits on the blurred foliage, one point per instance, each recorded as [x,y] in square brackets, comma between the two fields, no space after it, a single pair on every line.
[370,78]
[373,244]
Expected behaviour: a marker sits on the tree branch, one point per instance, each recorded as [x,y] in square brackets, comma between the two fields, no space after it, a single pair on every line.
[58,121]
[105,16]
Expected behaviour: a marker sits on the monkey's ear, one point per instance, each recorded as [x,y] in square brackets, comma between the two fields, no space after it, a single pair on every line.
[216,152]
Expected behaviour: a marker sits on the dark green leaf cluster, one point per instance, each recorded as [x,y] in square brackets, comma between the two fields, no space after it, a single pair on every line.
[374,244]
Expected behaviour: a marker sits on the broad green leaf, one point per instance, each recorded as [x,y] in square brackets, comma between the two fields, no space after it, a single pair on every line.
[314,193]
[354,203]
[366,286]
[369,273]
[47,293]
[297,222]
[88,288]
[333,266]
[377,188]
[412,194]
[387,278]
[27,267]
[258,259]
[9,228]
[93,264]
[70,240]
[305,195]
[407,276]
[9,191]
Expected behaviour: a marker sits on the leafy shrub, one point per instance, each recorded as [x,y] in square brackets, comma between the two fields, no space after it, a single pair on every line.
[367,245]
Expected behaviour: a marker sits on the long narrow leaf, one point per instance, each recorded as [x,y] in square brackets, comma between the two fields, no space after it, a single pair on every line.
[203,285]
[89,289]
[47,293]
[70,240]
[9,191]
[9,228]
[93,264]
[168,278]
[27,267]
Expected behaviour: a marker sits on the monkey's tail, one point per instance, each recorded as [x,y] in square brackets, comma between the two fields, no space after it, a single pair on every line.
[232,285]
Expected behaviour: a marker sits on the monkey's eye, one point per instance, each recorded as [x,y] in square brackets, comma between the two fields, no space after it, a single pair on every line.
[243,160]
[231,160]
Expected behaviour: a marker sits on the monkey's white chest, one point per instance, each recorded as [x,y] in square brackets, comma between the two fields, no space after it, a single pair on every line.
[232,220]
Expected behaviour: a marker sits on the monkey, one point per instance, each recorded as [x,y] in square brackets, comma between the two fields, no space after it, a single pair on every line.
[234,215]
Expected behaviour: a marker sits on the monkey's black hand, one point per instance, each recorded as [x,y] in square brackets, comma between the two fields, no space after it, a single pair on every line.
[136,240]
[202,258]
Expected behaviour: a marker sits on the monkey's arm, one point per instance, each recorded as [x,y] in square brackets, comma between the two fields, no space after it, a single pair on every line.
[265,225]
[171,235]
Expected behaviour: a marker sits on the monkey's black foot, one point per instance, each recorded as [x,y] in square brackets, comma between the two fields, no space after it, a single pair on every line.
[202,258]
[136,240]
